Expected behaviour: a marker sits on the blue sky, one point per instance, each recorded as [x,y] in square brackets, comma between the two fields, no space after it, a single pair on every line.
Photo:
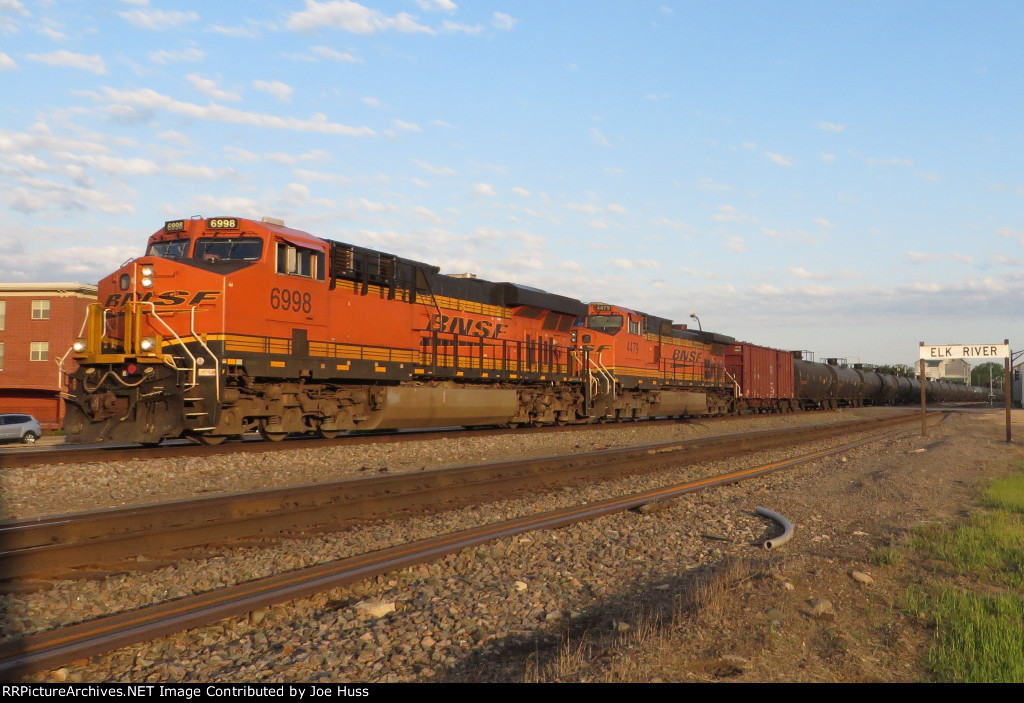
[839,177]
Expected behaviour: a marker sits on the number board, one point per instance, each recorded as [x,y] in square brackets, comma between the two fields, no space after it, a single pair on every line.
[174,226]
[222,223]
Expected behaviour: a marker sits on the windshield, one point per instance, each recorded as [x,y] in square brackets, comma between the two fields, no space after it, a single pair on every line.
[609,324]
[175,249]
[229,249]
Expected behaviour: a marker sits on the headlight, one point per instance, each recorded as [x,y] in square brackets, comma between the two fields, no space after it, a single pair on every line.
[78,346]
[148,344]
[147,282]
[147,271]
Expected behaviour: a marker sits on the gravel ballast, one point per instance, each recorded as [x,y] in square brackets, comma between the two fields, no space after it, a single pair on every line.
[454,619]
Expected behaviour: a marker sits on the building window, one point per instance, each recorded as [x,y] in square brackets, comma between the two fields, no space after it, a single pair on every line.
[3,313]
[40,309]
[40,351]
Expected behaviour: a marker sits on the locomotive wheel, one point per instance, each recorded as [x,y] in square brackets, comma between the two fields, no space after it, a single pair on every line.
[210,440]
[328,434]
[270,436]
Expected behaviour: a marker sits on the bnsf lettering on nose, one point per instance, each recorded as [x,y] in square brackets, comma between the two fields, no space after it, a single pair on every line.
[466,325]
[171,297]
[685,355]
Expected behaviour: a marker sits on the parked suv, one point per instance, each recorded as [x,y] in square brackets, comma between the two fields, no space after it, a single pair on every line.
[19,428]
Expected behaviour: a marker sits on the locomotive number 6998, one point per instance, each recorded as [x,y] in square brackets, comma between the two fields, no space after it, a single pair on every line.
[291,300]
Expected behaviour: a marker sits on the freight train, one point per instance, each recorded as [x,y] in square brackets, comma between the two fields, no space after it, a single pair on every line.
[227,325]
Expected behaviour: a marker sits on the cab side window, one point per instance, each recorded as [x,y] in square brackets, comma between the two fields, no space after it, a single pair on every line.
[300,261]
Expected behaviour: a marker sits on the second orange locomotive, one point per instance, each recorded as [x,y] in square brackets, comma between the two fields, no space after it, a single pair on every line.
[227,325]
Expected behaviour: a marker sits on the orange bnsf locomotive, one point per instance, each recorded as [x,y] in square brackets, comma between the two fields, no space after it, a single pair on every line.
[228,325]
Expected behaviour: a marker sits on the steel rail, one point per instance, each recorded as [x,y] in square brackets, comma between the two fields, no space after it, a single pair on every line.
[63,542]
[21,456]
[46,650]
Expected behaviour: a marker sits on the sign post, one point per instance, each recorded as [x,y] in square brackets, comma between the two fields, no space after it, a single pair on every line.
[968,351]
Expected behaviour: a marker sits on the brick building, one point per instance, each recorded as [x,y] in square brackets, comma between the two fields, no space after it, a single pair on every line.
[38,324]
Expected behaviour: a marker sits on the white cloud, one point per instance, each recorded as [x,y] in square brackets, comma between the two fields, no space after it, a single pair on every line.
[592,209]
[281,91]
[93,63]
[110,165]
[735,244]
[175,138]
[326,52]
[436,170]
[158,19]
[406,126]
[1010,233]
[427,214]
[243,155]
[888,162]
[6,62]
[778,159]
[828,158]
[521,191]
[930,177]
[445,5]
[238,32]
[632,264]
[503,21]
[483,189]
[166,56]
[209,87]
[824,223]
[317,124]
[190,172]
[370,206]
[677,225]
[598,138]
[830,127]
[245,207]
[727,213]
[53,34]
[450,27]
[801,272]
[38,195]
[711,184]
[351,17]
[918,257]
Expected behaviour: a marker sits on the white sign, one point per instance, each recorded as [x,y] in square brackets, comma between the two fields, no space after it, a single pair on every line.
[966,351]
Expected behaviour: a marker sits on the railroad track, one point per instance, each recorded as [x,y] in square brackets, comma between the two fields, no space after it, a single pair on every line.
[14,457]
[57,545]
[50,649]
[20,457]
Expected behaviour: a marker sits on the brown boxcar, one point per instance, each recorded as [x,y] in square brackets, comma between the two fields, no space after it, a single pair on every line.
[764,377]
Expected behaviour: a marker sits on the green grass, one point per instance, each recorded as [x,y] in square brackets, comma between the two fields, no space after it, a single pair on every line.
[979,625]
[886,556]
[1006,494]
[978,638]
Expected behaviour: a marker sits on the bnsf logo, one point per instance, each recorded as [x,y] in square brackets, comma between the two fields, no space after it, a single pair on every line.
[466,325]
[171,297]
[685,355]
